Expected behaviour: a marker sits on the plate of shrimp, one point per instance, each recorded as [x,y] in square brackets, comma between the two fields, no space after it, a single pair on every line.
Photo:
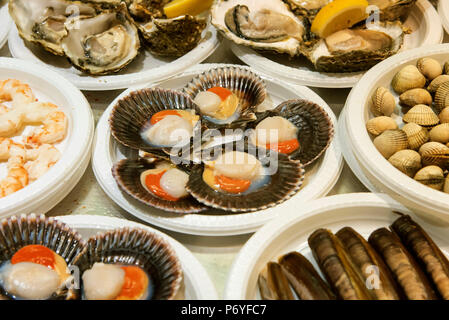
[42,116]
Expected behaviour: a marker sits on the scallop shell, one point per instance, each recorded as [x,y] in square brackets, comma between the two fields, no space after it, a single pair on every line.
[412,97]
[442,96]
[19,231]
[315,128]
[431,176]
[444,115]
[435,83]
[127,172]
[408,78]
[133,246]
[440,133]
[422,115]
[132,112]
[377,125]
[434,153]
[416,135]
[382,102]
[429,67]
[284,183]
[406,161]
[390,142]
[248,86]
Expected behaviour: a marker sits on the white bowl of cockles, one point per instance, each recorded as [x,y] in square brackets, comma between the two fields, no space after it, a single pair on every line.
[46,131]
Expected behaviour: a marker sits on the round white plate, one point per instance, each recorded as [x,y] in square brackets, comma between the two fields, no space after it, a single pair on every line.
[145,68]
[423,20]
[43,194]
[197,283]
[5,22]
[365,212]
[443,11]
[320,177]
[406,190]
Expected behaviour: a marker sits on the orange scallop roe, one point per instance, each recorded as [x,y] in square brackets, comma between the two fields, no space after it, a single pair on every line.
[35,253]
[287,146]
[158,116]
[232,185]
[135,285]
[153,183]
[223,93]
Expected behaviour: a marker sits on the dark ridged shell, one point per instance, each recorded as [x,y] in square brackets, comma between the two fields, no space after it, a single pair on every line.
[133,246]
[273,284]
[17,232]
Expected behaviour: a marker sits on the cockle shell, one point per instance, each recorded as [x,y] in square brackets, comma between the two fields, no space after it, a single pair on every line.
[390,142]
[434,153]
[429,67]
[406,161]
[412,97]
[440,133]
[431,176]
[442,96]
[408,78]
[416,135]
[446,68]
[377,125]
[444,115]
[435,83]
[422,115]
[446,184]
[382,102]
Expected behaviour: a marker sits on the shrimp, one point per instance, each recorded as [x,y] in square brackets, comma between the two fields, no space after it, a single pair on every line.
[17,92]
[40,160]
[17,176]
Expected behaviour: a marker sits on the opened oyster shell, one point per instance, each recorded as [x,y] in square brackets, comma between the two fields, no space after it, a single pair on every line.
[265,25]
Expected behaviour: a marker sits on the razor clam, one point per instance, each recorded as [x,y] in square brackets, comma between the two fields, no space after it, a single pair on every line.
[404,268]
[304,279]
[273,284]
[337,266]
[425,251]
[365,259]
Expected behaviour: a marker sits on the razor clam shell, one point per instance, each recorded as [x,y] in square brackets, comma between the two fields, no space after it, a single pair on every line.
[248,86]
[404,268]
[304,279]
[127,173]
[273,284]
[425,251]
[337,266]
[132,112]
[134,246]
[364,256]
[17,232]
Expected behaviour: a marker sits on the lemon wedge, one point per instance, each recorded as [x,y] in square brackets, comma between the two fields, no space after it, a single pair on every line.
[178,8]
[338,15]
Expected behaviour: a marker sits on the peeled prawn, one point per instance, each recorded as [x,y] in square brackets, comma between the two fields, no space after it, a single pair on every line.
[17,177]
[17,92]
[40,160]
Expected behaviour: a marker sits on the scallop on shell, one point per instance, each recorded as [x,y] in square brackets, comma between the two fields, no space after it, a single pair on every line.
[422,115]
[390,142]
[416,135]
[408,78]
[431,176]
[137,247]
[440,133]
[377,125]
[429,67]
[382,102]
[406,161]
[434,153]
[19,231]
[412,97]
[442,96]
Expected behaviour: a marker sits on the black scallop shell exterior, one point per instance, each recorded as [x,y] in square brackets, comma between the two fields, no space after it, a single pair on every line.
[19,231]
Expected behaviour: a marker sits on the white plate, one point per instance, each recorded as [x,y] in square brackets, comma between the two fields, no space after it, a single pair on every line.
[443,11]
[198,285]
[396,184]
[145,68]
[320,178]
[365,212]
[5,22]
[423,20]
[43,194]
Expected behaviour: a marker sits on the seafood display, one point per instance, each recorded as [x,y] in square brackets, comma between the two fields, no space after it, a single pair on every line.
[403,263]
[182,169]
[28,156]
[418,147]
[332,35]
[103,37]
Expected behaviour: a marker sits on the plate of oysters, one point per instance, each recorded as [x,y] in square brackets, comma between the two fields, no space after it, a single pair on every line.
[360,246]
[95,258]
[106,45]
[5,22]
[324,43]
[218,150]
